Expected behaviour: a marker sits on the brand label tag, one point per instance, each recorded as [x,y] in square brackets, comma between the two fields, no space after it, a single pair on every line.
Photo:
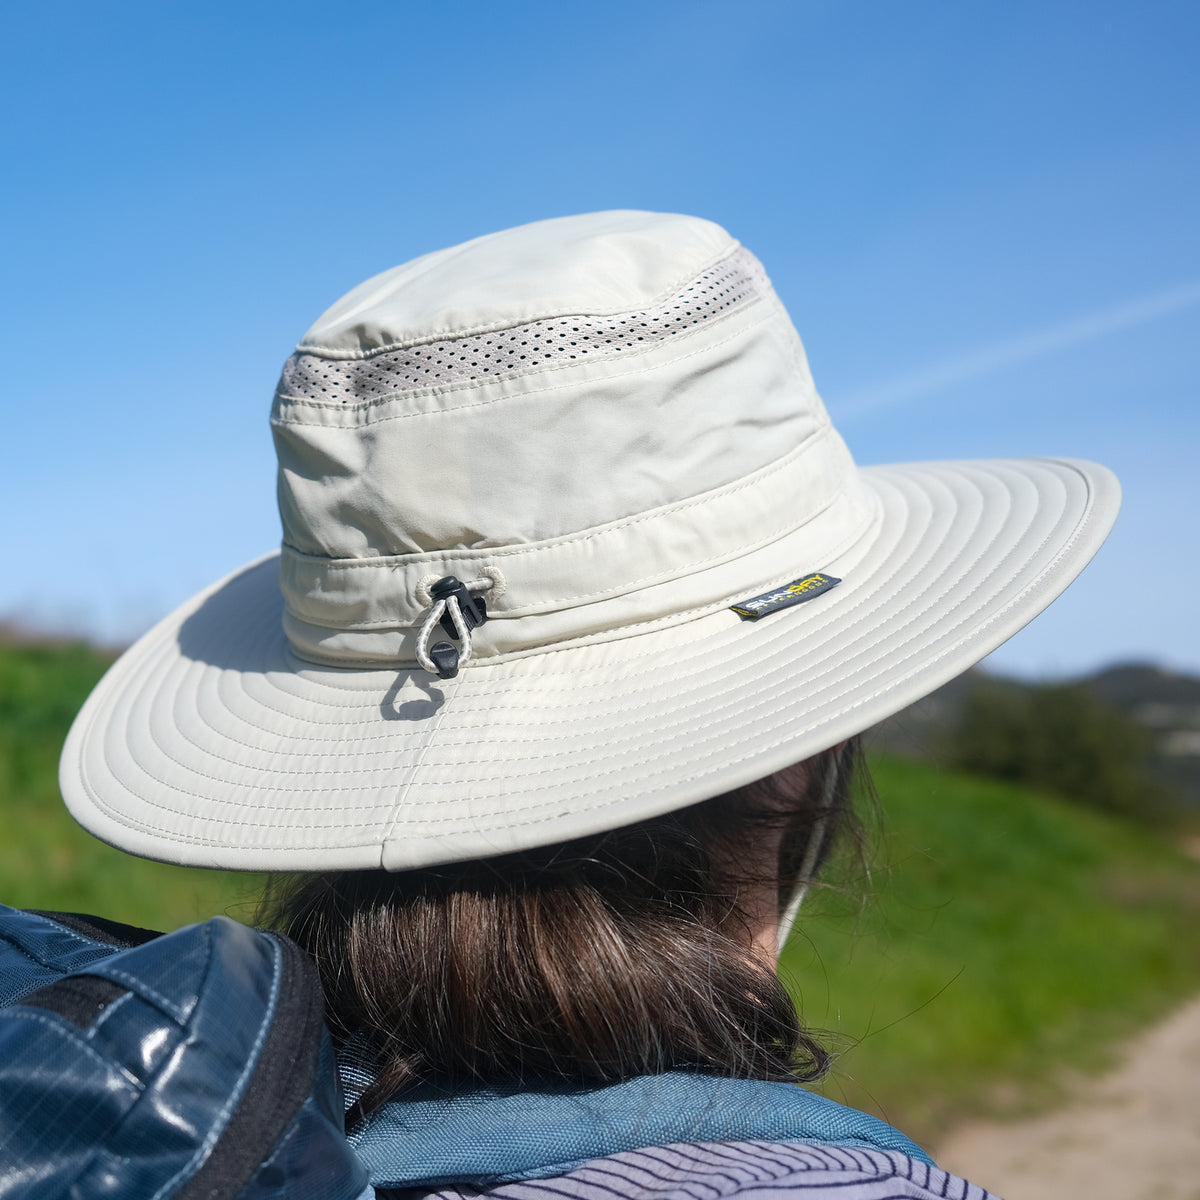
[784,597]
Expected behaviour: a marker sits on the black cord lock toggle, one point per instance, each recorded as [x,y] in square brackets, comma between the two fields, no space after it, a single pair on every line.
[445,658]
[471,608]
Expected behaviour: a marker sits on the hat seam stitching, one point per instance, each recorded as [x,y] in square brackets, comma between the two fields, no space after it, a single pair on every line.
[401,798]
[210,801]
[128,820]
[447,334]
[468,385]
[386,807]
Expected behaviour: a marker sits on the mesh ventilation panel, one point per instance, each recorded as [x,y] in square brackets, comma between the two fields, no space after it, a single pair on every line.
[732,282]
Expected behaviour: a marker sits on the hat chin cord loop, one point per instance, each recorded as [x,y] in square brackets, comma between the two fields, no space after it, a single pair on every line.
[812,852]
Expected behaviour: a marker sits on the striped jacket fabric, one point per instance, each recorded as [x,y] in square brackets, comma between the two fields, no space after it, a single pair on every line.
[749,1170]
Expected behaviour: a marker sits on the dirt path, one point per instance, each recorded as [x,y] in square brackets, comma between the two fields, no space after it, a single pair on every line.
[1132,1134]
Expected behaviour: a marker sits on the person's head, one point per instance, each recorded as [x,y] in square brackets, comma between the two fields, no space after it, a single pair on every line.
[646,948]
[571,549]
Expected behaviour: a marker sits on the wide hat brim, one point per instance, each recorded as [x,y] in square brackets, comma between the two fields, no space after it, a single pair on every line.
[210,743]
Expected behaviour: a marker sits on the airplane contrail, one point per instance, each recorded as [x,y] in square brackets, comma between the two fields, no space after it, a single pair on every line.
[1037,343]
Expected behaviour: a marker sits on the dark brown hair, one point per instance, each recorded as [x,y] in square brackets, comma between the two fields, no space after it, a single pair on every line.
[588,962]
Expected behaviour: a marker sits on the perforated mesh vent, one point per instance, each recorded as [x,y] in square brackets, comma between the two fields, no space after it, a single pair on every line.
[733,281]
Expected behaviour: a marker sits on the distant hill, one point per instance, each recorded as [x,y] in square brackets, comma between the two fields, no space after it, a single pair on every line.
[1166,704]
[1139,687]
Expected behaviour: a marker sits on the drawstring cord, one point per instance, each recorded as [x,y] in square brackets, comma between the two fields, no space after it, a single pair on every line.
[816,839]
[458,608]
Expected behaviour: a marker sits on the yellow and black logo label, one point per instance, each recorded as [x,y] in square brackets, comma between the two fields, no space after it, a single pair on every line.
[784,597]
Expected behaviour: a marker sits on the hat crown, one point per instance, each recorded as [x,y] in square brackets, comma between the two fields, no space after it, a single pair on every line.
[608,262]
[590,408]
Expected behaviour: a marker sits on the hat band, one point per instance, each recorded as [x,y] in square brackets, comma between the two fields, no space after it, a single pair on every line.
[652,566]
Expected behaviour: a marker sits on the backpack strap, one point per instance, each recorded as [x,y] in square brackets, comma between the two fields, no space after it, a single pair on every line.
[37,950]
[100,929]
[195,1064]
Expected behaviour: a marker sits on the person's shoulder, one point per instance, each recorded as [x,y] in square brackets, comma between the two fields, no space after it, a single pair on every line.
[749,1170]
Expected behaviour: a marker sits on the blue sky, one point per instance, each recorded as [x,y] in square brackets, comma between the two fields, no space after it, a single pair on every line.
[982,216]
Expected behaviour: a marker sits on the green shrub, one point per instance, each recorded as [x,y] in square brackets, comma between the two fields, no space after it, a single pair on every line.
[1059,738]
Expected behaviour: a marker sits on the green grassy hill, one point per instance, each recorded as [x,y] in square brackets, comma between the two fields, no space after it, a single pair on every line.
[999,938]
[46,860]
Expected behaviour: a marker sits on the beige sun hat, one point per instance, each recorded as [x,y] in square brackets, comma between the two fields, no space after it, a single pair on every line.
[604,429]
